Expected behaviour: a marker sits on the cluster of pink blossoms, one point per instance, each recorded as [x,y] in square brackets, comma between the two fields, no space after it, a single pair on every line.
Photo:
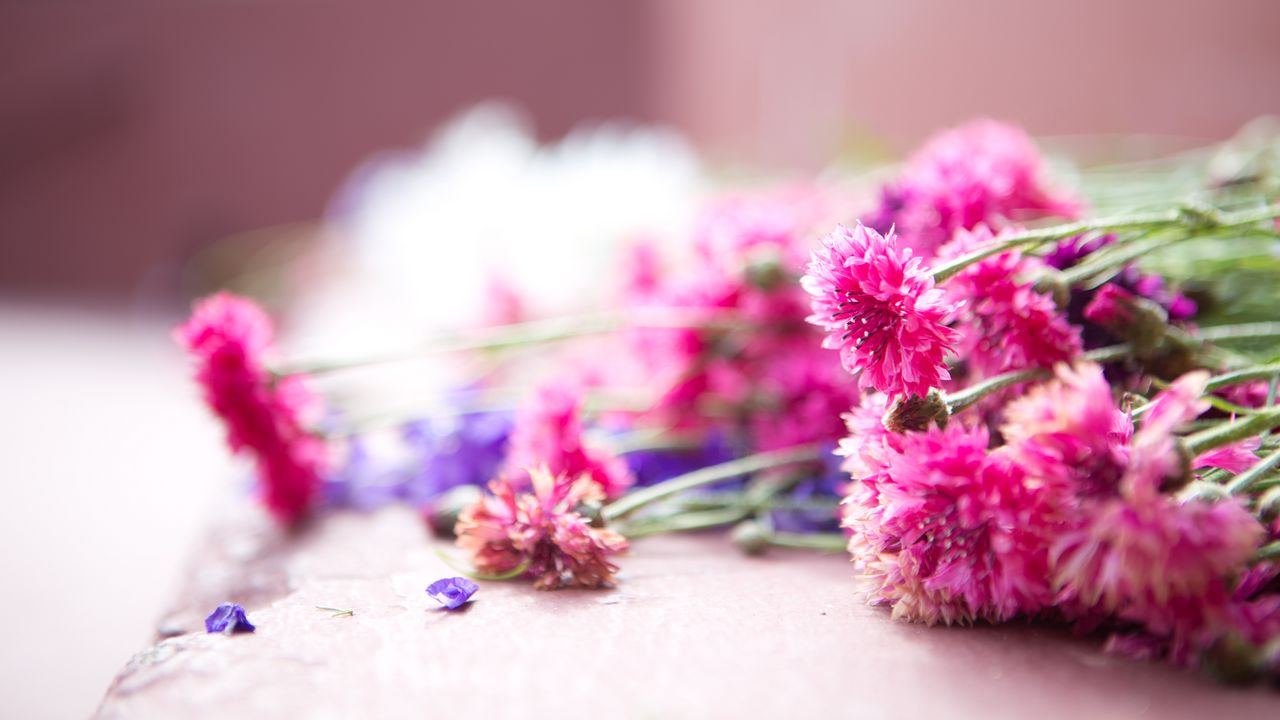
[1069,516]
[229,339]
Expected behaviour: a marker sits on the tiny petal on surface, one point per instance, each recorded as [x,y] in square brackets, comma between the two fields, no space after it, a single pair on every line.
[228,618]
[452,592]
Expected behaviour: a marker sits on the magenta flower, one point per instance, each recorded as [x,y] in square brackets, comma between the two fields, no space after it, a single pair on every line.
[1006,324]
[983,172]
[548,433]
[542,531]
[950,533]
[798,398]
[229,337]
[881,311]
[1070,431]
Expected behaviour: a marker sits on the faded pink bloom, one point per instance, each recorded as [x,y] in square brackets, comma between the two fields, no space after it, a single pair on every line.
[948,532]
[228,337]
[1069,431]
[503,303]
[542,530]
[1006,324]
[881,311]
[983,172]
[548,433]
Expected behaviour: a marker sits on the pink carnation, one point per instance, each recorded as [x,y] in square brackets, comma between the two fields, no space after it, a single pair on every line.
[983,172]
[1069,431]
[948,532]
[541,530]
[548,433]
[1006,324]
[228,338]
[881,311]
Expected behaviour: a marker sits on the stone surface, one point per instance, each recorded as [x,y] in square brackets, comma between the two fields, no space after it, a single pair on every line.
[693,630]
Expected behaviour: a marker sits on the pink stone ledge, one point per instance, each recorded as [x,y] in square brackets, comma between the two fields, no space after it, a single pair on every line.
[694,630]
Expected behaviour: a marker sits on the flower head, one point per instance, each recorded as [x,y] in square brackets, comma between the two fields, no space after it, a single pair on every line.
[228,337]
[983,172]
[452,592]
[948,532]
[1006,324]
[228,618]
[548,433]
[541,530]
[881,311]
[1069,430]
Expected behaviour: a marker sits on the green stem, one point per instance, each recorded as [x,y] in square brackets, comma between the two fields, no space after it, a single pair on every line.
[1107,261]
[710,475]
[1260,372]
[1270,551]
[683,522]
[1245,480]
[958,401]
[1195,220]
[826,542]
[536,331]
[1242,331]
[1206,440]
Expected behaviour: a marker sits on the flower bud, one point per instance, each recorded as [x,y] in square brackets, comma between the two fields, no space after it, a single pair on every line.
[1131,318]
[750,537]
[912,412]
[442,514]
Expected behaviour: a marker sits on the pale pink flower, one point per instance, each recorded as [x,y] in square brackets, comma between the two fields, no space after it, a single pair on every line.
[229,338]
[867,445]
[548,434]
[541,530]
[881,310]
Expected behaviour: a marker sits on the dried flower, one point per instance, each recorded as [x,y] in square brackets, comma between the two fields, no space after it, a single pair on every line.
[543,531]
[228,618]
[881,311]
[229,338]
[452,592]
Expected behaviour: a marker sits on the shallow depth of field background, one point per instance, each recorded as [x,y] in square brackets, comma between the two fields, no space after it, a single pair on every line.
[137,135]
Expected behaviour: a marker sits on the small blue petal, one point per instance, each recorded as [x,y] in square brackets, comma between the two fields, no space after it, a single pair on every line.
[453,592]
[228,618]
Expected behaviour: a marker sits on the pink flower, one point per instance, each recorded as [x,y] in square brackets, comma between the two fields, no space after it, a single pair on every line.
[868,445]
[1006,324]
[542,530]
[881,311]
[799,398]
[1069,431]
[548,433]
[228,338]
[983,172]
[948,532]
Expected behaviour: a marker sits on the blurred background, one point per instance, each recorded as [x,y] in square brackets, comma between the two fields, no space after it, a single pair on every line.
[139,139]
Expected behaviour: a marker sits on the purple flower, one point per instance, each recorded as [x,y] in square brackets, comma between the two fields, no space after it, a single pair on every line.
[453,592]
[228,618]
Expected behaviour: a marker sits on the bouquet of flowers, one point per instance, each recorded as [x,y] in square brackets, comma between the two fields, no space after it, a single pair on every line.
[1001,404]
